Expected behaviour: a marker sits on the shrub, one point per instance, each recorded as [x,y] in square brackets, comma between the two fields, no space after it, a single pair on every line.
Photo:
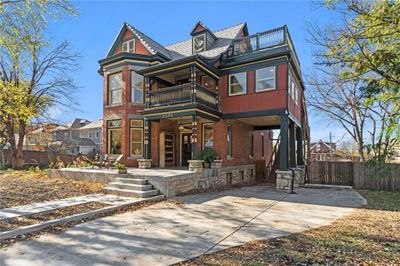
[119,166]
[207,155]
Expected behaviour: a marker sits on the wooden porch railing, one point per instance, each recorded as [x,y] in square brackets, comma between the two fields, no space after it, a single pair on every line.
[262,40]
[182,94]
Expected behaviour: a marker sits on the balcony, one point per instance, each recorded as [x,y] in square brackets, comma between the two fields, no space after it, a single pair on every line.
[181,94]
[262,41]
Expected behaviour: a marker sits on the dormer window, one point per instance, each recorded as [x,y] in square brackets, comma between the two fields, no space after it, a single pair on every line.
[199,43]
[128,46]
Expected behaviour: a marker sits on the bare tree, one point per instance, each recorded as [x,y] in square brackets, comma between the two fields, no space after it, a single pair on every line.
[339,102]
[34,75]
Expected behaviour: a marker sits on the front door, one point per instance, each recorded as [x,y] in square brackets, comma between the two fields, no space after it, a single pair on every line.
[186,149]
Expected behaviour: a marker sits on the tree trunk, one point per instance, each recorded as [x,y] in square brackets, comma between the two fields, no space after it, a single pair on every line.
[17,158]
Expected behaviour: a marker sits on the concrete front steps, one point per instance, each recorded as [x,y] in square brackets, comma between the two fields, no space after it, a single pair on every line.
[132,186]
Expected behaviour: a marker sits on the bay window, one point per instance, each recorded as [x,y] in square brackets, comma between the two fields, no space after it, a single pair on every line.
[136,88]
[115,88]
[114,136]
[136,135]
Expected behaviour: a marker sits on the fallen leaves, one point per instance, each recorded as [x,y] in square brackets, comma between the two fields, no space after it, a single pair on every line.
[26,187]
[365,237]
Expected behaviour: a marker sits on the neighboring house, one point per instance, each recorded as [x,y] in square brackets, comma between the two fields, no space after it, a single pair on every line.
[92,132]
[323,151]
[39,137]
[218,89]
[66,138]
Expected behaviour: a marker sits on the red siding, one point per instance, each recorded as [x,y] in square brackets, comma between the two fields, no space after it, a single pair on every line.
[252,101]
[139,47]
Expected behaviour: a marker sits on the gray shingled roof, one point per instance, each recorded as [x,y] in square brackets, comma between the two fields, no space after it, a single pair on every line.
[153,46]
[96,124]
[225,37]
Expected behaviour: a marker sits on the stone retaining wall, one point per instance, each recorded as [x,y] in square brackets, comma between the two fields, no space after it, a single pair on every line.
[79,175]
[170,185]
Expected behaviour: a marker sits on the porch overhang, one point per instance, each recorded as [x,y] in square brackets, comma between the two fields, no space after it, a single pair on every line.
[179,64]
[180,111]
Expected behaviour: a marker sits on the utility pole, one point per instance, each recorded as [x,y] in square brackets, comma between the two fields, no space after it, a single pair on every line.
[330,144]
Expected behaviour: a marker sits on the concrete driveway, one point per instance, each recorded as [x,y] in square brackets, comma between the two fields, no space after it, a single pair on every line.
[165,233]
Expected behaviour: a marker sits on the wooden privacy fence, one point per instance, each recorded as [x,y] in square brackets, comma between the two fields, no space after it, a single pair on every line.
[354,174]
[42,158]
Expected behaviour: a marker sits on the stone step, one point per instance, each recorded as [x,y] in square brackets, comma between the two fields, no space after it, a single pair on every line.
[130,186]
[131,193]
[125,180]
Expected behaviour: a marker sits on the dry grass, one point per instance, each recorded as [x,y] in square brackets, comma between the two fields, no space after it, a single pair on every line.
[26,187]
[369,236]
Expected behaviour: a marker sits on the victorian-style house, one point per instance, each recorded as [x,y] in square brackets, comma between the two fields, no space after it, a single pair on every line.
[224,89]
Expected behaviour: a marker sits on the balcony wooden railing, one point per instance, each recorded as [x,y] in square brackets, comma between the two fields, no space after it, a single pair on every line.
[182,94]
[262,40]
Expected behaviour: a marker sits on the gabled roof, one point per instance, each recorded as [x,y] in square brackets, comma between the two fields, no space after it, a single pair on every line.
[96,124]
[152,46]
[204,28]
[223,38]
[221,44]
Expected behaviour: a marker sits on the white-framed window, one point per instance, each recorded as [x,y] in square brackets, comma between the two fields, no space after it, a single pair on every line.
[265,79]
[296,94]
[136,87]
[115,88]
[128,46]
[136,135]
[199,43]
[292,89]
[237,83]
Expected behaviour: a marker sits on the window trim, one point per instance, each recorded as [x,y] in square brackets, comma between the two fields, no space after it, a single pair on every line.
[205,43]
[256,80]
[141,128]
[202,135]
[109,129]
[111,90]
[132,100]
[229,84]
[127,45]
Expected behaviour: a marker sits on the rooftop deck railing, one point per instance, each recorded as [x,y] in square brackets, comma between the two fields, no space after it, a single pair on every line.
[182,94]
[263,40]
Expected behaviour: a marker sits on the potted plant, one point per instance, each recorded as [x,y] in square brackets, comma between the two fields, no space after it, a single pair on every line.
[207,155]
[121,168]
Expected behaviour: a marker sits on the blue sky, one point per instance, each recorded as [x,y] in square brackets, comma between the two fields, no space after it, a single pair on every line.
[94,30]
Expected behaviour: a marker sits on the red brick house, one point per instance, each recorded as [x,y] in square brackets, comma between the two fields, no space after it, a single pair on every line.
[222,89]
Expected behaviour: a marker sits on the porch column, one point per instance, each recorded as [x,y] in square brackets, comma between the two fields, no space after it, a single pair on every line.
[292,144]
[193,83]
[283,149]
[147,139]
[299,140]
[147,91]
[193,139]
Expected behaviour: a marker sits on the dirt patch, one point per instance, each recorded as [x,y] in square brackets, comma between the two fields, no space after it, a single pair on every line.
[26,187]
[12,223]
[365,237]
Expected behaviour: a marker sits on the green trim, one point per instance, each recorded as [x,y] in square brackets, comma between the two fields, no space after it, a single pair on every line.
[272,62]
[175,65]
[283,50]
[269,112]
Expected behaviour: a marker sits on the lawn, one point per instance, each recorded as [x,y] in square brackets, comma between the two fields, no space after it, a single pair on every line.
[369,236]
[26,187]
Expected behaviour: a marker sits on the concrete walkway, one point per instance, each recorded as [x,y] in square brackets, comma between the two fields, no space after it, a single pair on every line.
[61,203]
[163,234]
